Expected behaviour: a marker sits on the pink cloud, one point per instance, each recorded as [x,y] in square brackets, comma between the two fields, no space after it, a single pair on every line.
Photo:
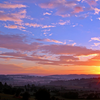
[8,17]
[57,3]
[38,25]
[78,9]
[8,5]
[16,42]
[14,27]
[91,2]
[11,26]
[64,8]
[95,39]
[46,13]
[20,14]
[47,5]
[61,59]
[33,25]
[51,40]
[67,49]
[14,54]
[16,17]
[20,56]
[65,58]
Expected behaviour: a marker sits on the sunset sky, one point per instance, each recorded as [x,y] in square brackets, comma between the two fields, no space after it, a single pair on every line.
[46,37]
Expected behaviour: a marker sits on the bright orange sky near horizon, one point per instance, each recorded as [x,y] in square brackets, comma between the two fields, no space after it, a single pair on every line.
[47,37]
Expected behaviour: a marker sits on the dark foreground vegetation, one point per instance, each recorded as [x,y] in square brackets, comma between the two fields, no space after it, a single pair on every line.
[33,92]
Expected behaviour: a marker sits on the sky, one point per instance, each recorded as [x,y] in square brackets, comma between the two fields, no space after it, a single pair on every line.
[47,37]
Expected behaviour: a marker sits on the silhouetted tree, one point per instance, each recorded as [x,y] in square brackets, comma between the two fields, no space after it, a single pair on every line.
[71,95]
[90,96]
[42,94]
[26,96]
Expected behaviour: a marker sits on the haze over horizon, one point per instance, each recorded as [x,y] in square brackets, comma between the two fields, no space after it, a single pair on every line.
[48,37]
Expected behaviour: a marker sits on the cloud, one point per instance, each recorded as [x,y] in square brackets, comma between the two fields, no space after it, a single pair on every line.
[64,22]
[73,61]
[67,49]
[98,18]
[11,26]
[12,6]
[22,56]
[64,8]
[46,30]
[33,25]
[14,27]
[57,3]
[78,9]
[47,26]
[8,17]
[14,54]
[97,10]
[16,42]
[38,25]
[16,17]
[10,69]
[20,14]
[95,39]
[63,15]
[46,13]
[15,69]
[91,2]
[68,58]
[75,25]
[96,44]
[50,40]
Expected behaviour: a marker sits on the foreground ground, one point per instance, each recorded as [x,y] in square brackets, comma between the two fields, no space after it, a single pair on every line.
[11,97]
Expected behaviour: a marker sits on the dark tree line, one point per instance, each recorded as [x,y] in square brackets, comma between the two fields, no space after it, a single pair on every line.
[42,93]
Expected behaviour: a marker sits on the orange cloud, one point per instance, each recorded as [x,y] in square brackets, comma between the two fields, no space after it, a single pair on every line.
[16,43]
[68,61]
[15,69]
[10,69]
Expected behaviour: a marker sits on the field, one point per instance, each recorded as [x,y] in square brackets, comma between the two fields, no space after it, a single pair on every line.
[11,97]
